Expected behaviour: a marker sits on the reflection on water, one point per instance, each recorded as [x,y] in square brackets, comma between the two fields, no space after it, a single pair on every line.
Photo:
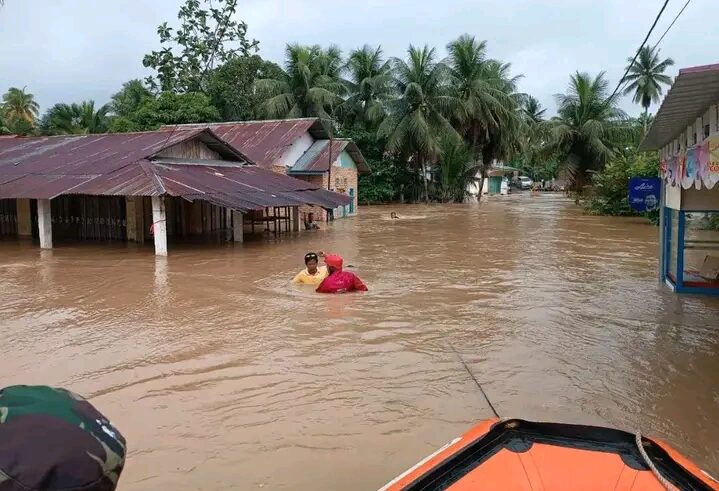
[222,376]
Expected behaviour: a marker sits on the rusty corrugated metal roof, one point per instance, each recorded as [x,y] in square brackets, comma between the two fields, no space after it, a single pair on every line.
[265,142]
[128,165]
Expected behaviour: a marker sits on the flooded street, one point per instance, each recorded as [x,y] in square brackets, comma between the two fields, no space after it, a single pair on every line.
[222,376]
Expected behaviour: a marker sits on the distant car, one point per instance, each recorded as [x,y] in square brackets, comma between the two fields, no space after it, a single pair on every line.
[524,182]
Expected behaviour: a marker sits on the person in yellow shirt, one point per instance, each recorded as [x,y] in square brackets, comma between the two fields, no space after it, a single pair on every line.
[311,275]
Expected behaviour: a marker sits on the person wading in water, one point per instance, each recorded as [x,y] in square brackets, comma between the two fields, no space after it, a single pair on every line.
[339,281]
[311,275]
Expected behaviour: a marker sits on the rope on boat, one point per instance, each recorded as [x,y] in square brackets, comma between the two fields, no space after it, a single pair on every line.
[464,364]
[640,446]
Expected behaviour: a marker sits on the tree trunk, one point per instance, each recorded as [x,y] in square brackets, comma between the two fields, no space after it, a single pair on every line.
[646,115]
[424,179]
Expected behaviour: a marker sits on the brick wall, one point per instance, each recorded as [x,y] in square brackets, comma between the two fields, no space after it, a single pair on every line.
[342,181]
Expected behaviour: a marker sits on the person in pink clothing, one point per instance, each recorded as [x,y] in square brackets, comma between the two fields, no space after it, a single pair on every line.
[339,281]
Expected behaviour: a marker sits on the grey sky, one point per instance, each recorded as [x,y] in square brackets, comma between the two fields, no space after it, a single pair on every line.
[70,50]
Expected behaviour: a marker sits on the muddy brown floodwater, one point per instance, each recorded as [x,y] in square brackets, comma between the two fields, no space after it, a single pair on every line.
[222,376]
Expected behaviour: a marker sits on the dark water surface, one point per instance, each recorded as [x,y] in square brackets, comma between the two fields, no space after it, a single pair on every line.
[221,376]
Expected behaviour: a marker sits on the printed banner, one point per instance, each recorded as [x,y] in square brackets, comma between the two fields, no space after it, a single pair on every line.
[644,193]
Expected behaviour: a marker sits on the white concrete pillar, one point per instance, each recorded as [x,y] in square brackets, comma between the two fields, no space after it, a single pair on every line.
[713,127]
[238,227]
[24,220]
[44,223]
[131,218]
[295,218]
[159,225]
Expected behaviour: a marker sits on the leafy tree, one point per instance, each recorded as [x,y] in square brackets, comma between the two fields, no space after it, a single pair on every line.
[19,106]
[418,118]
[487,118]
[76,119]
[457,169]
[369,86]
[170,108]
[587,128]
[390,179]
[231,87]
[205,37]
[646,77]
[609,194]
[308,86]
[128,99]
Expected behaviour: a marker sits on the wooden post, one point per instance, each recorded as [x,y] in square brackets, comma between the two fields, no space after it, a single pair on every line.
[238,228]
[295,218]
[24,221]
[44,223]
[159,225]
[131,217]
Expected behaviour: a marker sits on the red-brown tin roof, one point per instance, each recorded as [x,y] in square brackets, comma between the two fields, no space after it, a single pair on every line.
[127,165]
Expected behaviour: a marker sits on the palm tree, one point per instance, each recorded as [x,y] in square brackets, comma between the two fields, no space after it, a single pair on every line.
[488,118]
[532,110]
[646,77]
[457,169]
[308,86]
[369,85]
[588,127]
[20,105]
[76,119]
[417,118]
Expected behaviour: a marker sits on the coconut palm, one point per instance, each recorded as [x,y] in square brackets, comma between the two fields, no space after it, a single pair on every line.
[76,119]
[588,127]
[487,118]
[369,86]
[457,170]
[532,110]
[308,86]
[646,77]
[417,117]
[20,105]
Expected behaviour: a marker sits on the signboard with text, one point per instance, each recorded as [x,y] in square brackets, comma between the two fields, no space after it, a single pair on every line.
[644,193]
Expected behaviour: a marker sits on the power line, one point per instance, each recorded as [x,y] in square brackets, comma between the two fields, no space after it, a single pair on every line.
[646,38]
[672,24]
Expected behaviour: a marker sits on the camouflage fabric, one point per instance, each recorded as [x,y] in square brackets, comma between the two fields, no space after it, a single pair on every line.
[52,440]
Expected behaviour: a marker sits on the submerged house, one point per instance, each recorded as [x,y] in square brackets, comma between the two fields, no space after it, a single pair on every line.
[299,148]
[133,186]
[685,132]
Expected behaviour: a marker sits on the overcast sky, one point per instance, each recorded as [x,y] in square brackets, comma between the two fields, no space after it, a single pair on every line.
[70,50]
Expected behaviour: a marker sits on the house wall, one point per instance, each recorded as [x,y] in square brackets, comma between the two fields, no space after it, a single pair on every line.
[295,151]
[193,149]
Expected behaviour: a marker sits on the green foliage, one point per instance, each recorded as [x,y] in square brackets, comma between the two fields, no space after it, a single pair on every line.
[610,186]
[456,169]
[587,129]
[646,77]
[308,86]
[75,119]
[18,111]
[128,99]
[369,87]
[487,116]
[390,179]
[231,87]
[205,37]
[417,118]
[170,108]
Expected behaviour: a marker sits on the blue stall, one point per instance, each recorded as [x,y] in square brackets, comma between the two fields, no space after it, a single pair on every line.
[685,131]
